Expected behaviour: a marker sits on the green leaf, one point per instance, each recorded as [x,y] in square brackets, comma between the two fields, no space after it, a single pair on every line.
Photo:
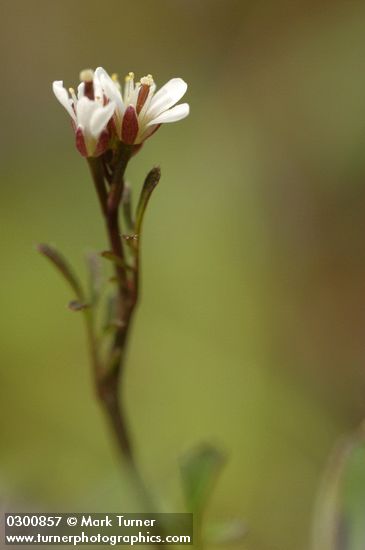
[354,498]
[127,207]
[199,470]
[340,511]
[151,181]
[63,267]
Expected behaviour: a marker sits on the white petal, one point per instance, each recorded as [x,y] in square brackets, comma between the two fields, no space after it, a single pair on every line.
[110,89]
[146,132]
[147,104]
[62,95]
[81,90]
[112,93]
[172,115]
[99,72]
[84,110]
[98,89]
[100,119]
[167,96]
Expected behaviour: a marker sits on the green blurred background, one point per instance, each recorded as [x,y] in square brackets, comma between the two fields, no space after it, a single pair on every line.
[251,330]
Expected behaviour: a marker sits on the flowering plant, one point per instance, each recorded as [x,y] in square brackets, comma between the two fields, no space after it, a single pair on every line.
[110,126]
[102,115]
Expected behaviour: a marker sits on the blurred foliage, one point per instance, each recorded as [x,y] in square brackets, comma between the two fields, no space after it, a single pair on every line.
[250,332]
[339,519]
[199,471]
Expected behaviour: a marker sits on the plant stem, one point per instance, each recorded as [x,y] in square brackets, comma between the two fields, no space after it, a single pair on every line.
[108,380]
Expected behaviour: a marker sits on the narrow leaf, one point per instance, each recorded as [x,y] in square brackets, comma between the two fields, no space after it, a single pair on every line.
[151,181]
[338,520]
[127,207]
[199,470]
[63,267]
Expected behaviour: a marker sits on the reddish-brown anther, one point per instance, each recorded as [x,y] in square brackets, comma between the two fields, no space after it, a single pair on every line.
[129,126]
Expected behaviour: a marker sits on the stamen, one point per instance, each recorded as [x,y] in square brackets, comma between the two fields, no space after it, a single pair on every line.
[73,95]
[148,80]
[87,76]
[115,79]
[129,86]
[144,89]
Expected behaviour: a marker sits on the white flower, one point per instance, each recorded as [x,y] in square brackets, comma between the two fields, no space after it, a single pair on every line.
[89,115]
[139,111]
